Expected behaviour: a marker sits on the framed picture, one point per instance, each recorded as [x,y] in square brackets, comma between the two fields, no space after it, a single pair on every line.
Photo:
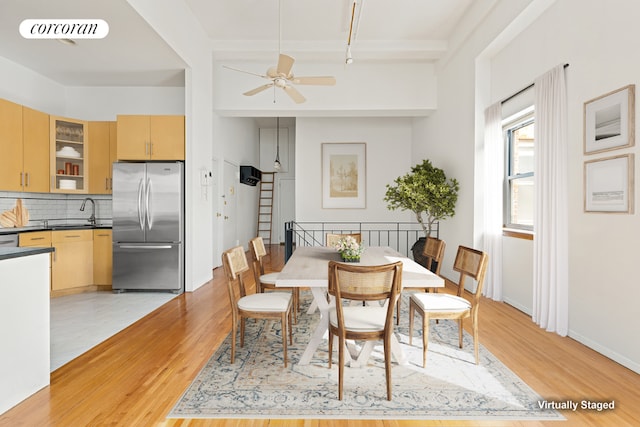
[609,121]
[343,175]
[608,184]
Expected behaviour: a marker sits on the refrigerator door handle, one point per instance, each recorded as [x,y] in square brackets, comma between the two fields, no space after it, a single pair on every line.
[140,207]
[148,205]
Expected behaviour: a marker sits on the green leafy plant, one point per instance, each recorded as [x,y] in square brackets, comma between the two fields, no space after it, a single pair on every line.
[427,192]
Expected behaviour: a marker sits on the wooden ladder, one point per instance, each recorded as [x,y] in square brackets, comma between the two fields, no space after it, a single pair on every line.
[265,206]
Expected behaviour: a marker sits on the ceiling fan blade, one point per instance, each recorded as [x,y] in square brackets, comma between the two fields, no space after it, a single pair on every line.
[294,94]
[285,63]
[258,89]
[246,72]
[316,80]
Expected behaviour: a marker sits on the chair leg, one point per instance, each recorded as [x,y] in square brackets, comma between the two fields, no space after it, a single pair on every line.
[341,348]
[411,314]
[460,332]
[234,330]
[283,319]
[330,347]
[398,311]
[476,342]
[425,338]
[290,329]
[387,365]
[242,323]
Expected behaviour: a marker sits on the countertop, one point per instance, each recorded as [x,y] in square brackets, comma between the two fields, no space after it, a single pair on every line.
[55,227]
[7,253]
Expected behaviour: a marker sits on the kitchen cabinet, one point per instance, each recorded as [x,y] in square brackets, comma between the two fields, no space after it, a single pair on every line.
[35,238]
[69,155]
[72,260]
[102,258]
[24,143]
[141,137]
[102,138]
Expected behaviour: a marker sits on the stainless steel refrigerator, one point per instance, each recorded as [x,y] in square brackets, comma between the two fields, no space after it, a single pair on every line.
[148,226]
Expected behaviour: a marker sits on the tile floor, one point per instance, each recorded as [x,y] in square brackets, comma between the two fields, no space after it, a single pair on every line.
[80,322]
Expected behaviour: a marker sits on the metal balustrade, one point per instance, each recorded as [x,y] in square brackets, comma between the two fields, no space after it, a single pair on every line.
[398,235]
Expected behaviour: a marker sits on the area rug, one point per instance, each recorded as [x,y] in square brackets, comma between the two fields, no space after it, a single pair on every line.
[452,386]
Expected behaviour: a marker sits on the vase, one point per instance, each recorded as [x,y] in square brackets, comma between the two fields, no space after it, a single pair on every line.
[418,255]
[350,258]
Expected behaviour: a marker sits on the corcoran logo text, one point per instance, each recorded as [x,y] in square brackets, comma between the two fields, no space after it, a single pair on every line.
[64,28]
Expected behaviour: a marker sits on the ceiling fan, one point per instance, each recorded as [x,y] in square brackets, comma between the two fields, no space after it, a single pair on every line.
[282,77]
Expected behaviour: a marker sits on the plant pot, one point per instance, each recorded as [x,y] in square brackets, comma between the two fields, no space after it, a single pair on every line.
[418,256]
[350,258]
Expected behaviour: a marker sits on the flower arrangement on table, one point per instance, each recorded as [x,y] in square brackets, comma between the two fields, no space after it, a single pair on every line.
[349,249]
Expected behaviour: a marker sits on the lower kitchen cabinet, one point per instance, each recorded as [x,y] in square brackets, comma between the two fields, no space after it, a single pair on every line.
[72,260]
[102,258]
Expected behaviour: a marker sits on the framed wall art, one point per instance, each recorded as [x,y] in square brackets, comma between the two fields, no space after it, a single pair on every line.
[608,184]
[609,121]
[343,175]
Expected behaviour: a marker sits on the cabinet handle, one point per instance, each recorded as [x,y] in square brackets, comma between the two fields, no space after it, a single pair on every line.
[106,183]
[146,148]
[21,179]
[72,235]
[151,148]
[28,180]
[37,238]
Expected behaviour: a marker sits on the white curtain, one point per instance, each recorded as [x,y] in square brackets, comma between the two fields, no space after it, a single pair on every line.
[550,248]
[493,194]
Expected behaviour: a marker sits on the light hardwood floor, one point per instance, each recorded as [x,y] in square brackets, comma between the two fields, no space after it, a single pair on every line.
[135,377]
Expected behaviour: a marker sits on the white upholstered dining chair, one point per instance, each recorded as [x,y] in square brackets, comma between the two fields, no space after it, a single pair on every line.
[369,322]
[271,305]
[469,262]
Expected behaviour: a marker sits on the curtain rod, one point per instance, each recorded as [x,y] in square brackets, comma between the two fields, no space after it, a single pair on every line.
[522,90]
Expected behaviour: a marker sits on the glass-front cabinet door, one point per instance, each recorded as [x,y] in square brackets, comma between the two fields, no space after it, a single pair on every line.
[69,156]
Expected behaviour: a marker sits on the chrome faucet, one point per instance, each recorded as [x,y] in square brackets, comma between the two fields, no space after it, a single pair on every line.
[92,218]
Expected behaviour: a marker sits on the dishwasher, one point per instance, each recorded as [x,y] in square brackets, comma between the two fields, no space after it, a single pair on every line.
[8,240]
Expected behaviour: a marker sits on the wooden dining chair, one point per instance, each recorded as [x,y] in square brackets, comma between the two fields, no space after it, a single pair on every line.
[332,239]
[271,305]
[370,322]
[433,252]
[469,262]
[267,281]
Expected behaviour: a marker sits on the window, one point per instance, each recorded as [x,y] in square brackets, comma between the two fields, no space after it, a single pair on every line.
[519,171]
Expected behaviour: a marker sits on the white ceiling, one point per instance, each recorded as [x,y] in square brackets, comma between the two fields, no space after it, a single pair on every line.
[134,55]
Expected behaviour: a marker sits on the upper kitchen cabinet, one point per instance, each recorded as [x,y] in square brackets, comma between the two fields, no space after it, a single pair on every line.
[69,155]
[102,137]
[24,142]
[150,137]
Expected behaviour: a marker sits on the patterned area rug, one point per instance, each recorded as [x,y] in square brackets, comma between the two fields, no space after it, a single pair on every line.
[452,386]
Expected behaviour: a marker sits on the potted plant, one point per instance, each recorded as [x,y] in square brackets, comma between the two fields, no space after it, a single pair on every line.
[426,192]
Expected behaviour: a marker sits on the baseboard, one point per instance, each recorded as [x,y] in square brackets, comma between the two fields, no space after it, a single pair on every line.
[605,351]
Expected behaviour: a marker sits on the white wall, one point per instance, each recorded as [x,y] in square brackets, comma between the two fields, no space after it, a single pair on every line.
[368,89]
[169,21]
[448,136]
[24,86]
[105,103]
[598,43]
[241,136]
[388,155]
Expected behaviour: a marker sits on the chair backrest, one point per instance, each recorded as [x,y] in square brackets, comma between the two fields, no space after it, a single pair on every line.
[473,263]
[256,245]
[365,283]
[333,239]
[234,263]
[434,252]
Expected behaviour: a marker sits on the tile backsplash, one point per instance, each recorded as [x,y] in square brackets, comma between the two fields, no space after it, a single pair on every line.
[57,207]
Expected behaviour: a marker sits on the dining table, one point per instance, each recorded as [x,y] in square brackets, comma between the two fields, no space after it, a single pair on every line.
[308,267]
